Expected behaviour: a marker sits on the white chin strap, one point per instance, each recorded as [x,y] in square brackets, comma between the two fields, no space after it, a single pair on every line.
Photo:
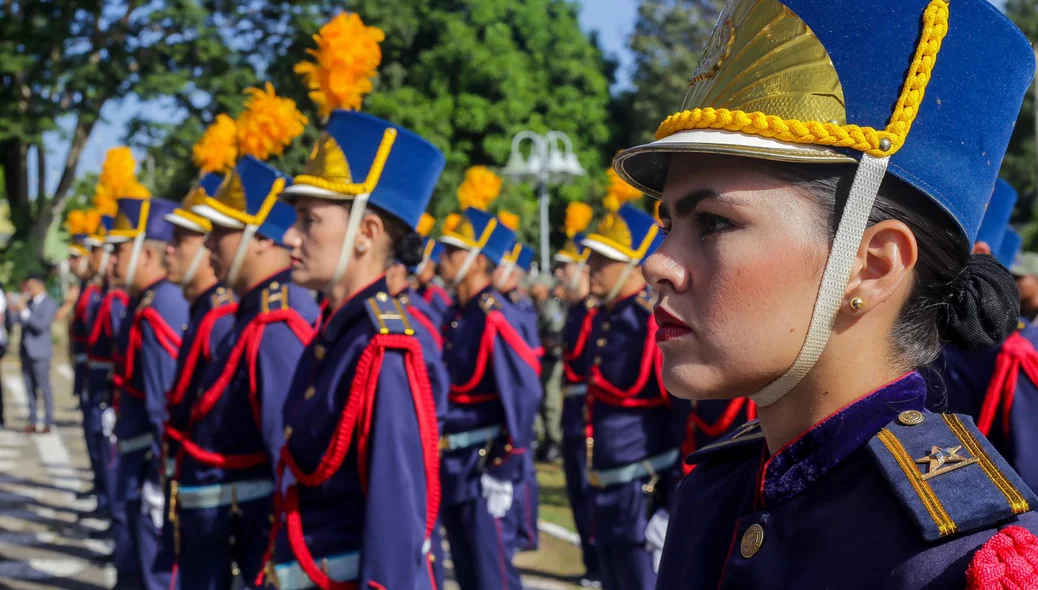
[81,265]
[619,282]
[506,273]
[574,283]
[357,208]
[135,256]
[239,254]
[834,279]
[470,258]
[196,261]
[102,267]
[418,270]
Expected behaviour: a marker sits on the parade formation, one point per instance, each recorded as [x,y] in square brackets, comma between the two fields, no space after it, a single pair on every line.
[804,366]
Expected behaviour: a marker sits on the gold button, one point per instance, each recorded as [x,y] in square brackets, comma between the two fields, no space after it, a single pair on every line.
[605,325]
[752,539]
[598,360]
[601,342]
[183,327]
[454,324]
[910,417]
[288,432]
[275,286]
[319,352]
[382,297]
[310,392]
[403,299]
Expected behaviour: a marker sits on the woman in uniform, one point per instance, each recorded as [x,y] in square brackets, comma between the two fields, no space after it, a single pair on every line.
[821,189]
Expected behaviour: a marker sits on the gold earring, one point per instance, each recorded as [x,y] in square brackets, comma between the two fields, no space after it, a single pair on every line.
[857,303]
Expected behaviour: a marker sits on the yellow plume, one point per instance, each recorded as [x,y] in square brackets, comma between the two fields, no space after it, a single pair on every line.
[578,217]
[425,225]
[480,188]
[92,222]
[509,220]
[611,203]
[347,56]
[104,202]
[76,222]
[619,189]
[451,223]
[268,124]
[218,149]
[118,175]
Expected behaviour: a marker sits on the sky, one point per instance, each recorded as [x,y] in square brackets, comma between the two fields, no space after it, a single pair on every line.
[612,19]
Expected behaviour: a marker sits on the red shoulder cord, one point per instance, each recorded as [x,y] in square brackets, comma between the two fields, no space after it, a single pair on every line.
[578,348]
[104,317]
[432,290]
[697,424]
[248,343]
[168,338]
[496,324]
[356,417]
[1017,354]
[80,311]
[424,320]
[1008,561]
[199,349]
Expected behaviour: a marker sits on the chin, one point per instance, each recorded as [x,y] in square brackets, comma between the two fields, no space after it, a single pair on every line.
[697,381]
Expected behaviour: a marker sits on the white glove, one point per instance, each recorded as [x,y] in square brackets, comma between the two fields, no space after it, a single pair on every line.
[656,530]
[656,555]
[153,502]
[108,422]
[498,495]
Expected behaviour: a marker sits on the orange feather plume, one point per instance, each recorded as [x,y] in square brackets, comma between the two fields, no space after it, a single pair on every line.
[268,124]
[345,63]
[217,150]
[480,188]
[509,220]
[578,217]
[425,225]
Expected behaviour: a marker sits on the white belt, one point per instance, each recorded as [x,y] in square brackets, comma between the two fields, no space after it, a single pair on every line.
[632,471]
[101,365]
[339,568]
[214,496]
[136,443]
[575,390]
[463,440]
[80,358]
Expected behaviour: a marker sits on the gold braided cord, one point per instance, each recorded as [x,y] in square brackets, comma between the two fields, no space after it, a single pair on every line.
[863,139]
[355,188]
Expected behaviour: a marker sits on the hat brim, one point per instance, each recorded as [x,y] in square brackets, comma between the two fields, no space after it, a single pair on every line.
[645,167]
[606,250]
[216,217]
[185,223]
[293,192]
[455,242]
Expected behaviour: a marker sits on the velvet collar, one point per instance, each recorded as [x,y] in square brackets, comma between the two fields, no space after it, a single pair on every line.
[814,453]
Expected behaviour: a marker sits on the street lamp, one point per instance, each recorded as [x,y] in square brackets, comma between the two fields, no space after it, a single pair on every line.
[551,162]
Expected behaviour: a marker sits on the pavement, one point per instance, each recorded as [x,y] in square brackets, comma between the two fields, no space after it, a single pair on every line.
[45,528]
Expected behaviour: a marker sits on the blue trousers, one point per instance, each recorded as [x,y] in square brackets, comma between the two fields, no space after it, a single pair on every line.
[619,515]
[95,443]
[146,547]
[212,540]
[574,461]
[482,559]
[520,524]
[124,557]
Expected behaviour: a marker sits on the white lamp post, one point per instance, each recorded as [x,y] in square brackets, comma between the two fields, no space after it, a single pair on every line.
[551,162]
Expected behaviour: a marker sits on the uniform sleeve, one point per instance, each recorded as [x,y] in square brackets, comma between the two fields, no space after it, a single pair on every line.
[396,498]
[519,387]
[275,366]
[157,369]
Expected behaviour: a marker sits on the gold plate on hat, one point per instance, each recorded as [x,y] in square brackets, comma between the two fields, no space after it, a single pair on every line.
[910,417]
[752,540]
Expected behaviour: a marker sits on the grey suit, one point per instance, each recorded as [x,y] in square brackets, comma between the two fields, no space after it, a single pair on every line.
[36,349]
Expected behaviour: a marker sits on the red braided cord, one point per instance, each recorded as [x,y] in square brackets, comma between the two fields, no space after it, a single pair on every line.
[104,315]
[428,324]
[1008,561]
[199,349]
[1017,354]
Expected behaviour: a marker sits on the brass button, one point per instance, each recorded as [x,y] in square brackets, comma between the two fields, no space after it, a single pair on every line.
[275,286]
[454,324]
[319,352]
[752,539]
[382,297]
[601,342]
[598,360]
[910,417]
[310,392]
[605,325]
[288,432]
[404,299]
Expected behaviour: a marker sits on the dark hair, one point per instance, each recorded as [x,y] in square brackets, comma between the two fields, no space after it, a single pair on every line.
[968,300]
[405,243]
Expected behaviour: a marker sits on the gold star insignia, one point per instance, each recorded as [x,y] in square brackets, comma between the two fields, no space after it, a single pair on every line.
[941,461]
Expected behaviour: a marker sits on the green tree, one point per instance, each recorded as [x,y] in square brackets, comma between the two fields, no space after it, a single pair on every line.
[1020,166]
[63,58]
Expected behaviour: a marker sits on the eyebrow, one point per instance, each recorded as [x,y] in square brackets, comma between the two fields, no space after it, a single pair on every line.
[687,203]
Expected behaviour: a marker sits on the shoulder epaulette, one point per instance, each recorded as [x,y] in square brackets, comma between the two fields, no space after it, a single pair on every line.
[647,300]
[275,297]
[221,297]
[489,303]
[947,476]
[745,440]
[388,315]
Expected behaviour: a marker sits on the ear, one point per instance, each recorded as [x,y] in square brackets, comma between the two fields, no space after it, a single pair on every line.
[370,231]
[981,248]
[886,257]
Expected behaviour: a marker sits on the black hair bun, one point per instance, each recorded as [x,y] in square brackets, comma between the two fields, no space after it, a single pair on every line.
[409,249]
[983,307]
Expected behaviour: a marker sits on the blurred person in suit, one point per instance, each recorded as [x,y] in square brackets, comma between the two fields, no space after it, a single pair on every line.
[35,313]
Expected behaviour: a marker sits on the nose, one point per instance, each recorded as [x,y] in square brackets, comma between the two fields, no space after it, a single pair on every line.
[292,237]
[663,271]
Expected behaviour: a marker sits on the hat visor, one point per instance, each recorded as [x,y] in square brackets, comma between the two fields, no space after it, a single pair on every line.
[563,257]
[645,166]
[293,192]
[185,223]
[94,242]
[455,242]
[606,250]
[216,217]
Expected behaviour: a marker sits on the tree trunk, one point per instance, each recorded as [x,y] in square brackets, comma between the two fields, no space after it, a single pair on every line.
[56,204]
[13,154]
[41,176]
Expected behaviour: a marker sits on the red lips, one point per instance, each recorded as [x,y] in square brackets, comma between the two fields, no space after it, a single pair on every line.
[669,327]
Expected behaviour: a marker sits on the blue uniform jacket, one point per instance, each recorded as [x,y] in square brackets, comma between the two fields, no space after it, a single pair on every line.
[881,494]
[426,315]
[244,387]
[527,312]
[960,381]
[628,407]
[374,501]
[82,317]
[148,343]
[212,319]
[575,336]
[494,382]
[106,323]
[437,298]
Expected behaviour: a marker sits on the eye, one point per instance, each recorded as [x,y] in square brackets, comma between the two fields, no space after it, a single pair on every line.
[710,224]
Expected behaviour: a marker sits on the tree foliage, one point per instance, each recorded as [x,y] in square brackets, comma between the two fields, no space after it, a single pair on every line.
[1020,166]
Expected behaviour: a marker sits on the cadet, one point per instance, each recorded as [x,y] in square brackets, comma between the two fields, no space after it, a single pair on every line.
[399,285]
[817,252]
[494,396]
[366,388]
[84,312]
[630,447]
[235,430]
[212,319]
[580,315]
[147,345]
[426,277]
